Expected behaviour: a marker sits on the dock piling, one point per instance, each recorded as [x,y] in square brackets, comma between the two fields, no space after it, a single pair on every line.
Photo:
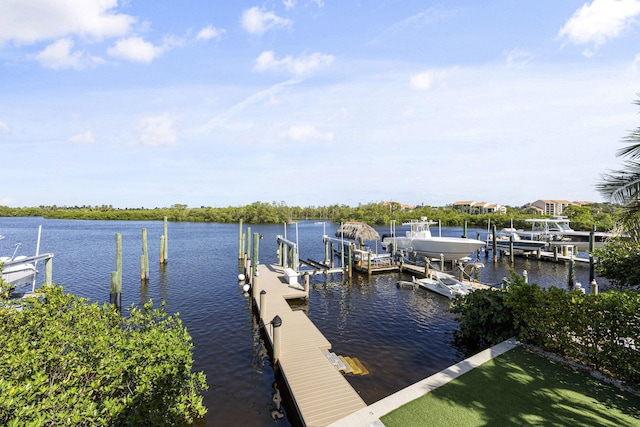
[592,244]
[240,243]
[166,242]
[276,323]
[162,243]
[572,278]
[144,258]
[115,296]
[263,307]
[494,244]
[254,256]
[306,280]
[48,271]
[511,255]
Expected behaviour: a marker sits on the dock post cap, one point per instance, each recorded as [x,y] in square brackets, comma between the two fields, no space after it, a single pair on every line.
[262,292]
[276,322]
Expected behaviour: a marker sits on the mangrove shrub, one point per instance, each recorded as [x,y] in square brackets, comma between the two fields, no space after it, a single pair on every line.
[67,362]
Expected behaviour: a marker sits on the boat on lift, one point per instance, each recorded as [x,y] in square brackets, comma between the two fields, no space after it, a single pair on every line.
[507,237]
[556,231]
[443,284]
[20,270]
[420,240]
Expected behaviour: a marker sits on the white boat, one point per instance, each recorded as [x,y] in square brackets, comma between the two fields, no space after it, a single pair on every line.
[443,284]
[20,270]
[419,239]
[557,232]
[17,270]
[511,236]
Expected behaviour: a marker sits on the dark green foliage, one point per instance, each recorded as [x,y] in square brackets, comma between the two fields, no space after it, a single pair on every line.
[600,331]
[485,320]
[619,261]
[68,362]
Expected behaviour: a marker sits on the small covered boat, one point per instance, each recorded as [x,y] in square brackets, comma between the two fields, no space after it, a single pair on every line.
[443,284]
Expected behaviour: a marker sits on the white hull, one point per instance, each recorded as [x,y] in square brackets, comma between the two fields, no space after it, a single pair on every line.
[18,274]
[444,284]
[452,248]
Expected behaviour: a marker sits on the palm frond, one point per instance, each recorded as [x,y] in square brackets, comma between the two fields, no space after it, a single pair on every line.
[632,150]
[622,185]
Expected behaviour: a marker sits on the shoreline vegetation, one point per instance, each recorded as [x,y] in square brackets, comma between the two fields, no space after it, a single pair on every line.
[582,217]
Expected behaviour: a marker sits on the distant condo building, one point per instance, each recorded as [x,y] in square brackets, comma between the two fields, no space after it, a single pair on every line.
[554,207]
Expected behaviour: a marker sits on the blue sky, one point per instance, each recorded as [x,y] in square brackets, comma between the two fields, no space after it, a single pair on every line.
[313,102]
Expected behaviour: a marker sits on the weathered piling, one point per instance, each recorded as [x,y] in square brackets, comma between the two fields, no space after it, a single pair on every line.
[572,278]
[240,244]
[247,248]
[276,323]
[306,281]
[48,271]
[494,244]
[592,245]
[144,258]
[263,304]
[165,245]
[254,256]
[115,296]
[162,243]
[511,254]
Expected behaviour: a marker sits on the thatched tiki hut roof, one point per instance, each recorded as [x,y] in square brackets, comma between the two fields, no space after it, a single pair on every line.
[357,231]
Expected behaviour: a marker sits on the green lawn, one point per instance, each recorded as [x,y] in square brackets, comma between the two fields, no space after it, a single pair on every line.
[520,388]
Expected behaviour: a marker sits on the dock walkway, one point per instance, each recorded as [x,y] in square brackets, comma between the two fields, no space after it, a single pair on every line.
[321,393]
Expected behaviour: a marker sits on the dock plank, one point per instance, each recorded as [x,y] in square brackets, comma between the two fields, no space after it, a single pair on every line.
[321,393]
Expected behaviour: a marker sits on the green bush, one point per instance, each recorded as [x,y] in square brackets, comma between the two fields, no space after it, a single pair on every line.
[485,320]
[600,331]
[619,261]
[68,362]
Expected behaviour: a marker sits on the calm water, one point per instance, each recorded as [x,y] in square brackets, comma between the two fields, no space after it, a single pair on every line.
[401,336]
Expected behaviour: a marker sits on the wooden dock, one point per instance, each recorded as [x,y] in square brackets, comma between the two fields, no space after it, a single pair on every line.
[321,393]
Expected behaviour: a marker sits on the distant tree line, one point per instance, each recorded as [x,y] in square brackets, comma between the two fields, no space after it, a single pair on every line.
[582,217]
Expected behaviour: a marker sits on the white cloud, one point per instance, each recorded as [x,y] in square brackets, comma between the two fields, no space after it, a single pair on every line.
[156,130]
[289,4]
[306,132]
[59,55]
[83,138]
[297,66]
[599,21]
[211,32]
[517,58]
[258,21]
[3,127]
[427,80]
[137,50]
[27,22]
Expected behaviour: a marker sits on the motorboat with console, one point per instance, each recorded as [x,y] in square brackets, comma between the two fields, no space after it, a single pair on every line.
[419,239]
